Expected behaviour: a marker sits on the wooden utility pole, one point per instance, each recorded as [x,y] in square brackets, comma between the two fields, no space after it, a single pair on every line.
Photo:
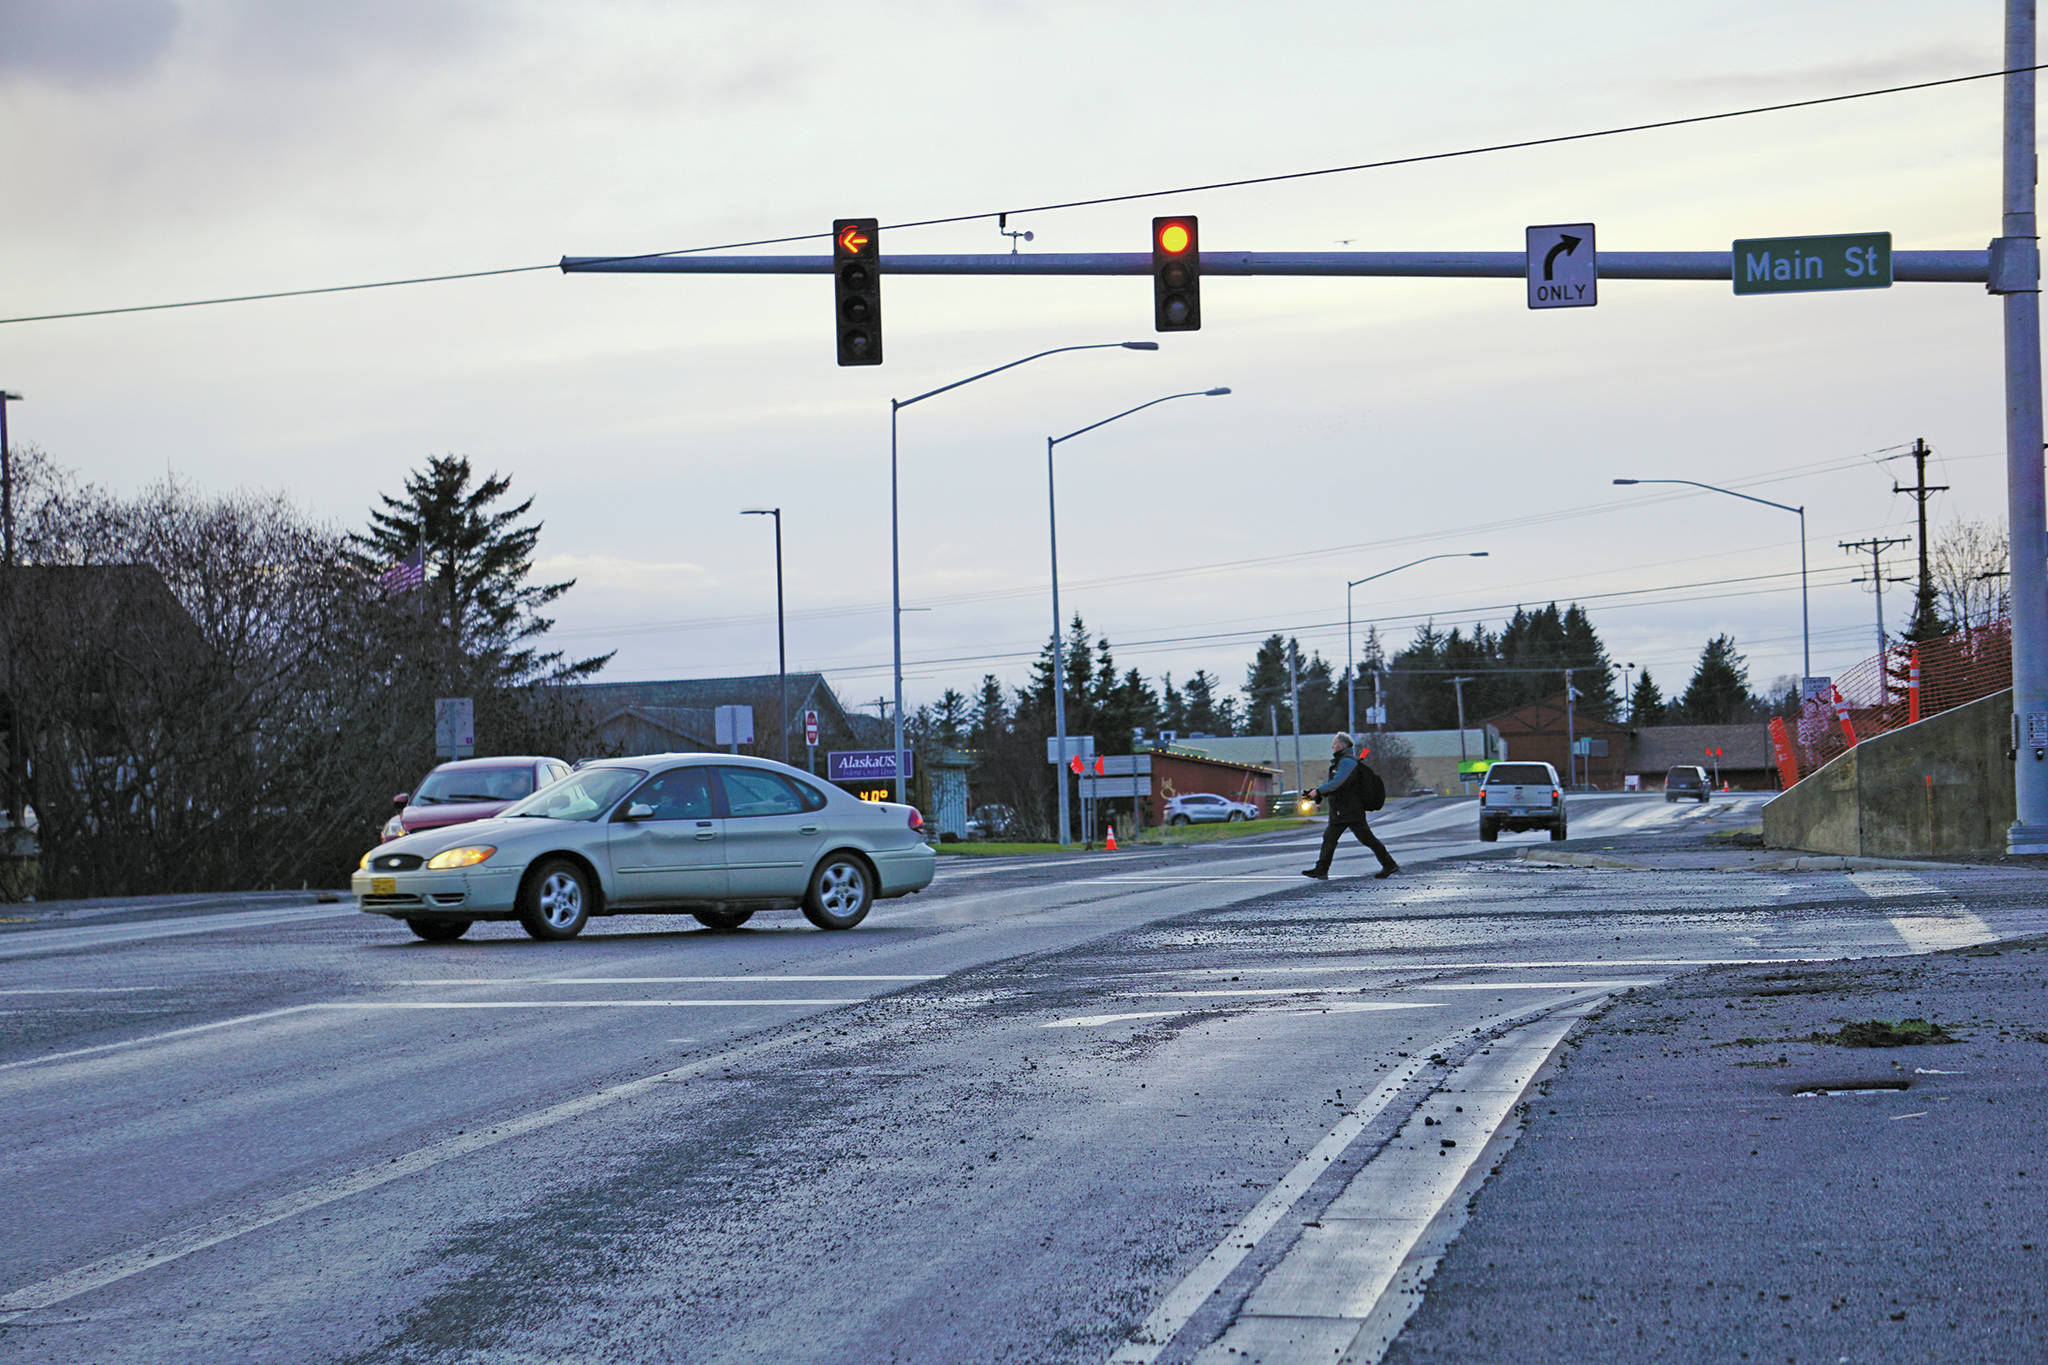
[1926,622]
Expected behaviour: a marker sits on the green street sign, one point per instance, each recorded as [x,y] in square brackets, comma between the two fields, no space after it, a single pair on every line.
[1798,265]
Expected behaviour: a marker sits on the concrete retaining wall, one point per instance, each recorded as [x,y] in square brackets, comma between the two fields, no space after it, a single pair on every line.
[1942,788]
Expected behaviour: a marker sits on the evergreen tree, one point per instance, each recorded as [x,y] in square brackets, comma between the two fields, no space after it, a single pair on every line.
[951,718]
[1719,691]
[1646,703]
[476,558]
[1204,715]
[1265,686]
[991,712]
[1173,707]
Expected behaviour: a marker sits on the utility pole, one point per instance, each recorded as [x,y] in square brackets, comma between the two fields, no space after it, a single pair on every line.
[1294,696]
[1571,739]
[17,765]
[1459,684]
[1926,610]
[1877,577]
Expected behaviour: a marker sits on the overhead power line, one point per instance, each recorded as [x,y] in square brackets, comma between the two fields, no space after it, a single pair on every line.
[1133,196]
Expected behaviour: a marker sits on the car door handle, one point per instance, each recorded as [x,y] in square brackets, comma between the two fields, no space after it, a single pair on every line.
[706,830]
[807,829]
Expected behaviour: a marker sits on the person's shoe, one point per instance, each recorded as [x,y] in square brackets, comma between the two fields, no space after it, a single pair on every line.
[1315,872]
[1386,872]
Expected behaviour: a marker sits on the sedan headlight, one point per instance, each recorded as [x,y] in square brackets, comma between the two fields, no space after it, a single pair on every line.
[460,857]
[364,865]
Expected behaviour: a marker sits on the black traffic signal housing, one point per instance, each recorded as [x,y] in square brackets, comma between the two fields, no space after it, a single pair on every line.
[1176,275]
[857,290]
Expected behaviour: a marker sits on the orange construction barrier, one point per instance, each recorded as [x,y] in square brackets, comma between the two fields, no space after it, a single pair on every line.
[1842,715]
[1913,686]
[1781,745]
[1109,844]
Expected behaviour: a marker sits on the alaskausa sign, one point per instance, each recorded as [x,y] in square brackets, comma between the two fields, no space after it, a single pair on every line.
[866,765]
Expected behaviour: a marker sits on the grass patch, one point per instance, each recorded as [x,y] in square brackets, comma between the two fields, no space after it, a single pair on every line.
[988,848]
[1884,1033]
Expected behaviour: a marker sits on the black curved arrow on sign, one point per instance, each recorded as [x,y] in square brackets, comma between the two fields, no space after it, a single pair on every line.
[1567,244]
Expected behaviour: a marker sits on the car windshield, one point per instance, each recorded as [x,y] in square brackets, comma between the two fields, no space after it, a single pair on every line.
[1519,774]
[475,784]
[583,795]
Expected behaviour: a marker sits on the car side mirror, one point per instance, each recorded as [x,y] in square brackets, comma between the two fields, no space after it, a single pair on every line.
[401,798]
[639,810]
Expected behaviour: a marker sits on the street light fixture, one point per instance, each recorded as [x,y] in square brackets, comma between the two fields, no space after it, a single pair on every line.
[897,405]
[1805,627]
[781,652]
[1059,666]
[1350,670]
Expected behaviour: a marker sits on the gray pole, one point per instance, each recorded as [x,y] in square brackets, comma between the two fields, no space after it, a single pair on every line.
[1059,691]
[16,767]
[2026,499]
[1571,741]
[1294,698]
[1059,663]
[781,648]
[1350,671]
[896,594]
[1276,749]
[1459,685]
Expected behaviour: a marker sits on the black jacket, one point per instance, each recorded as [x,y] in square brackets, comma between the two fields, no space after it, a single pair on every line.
[1346,800]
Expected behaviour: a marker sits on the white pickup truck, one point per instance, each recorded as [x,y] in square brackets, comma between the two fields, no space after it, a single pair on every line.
[1517,796]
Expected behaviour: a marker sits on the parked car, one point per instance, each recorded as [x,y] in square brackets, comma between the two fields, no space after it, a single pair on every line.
[1294,803]
[1518,796]
[1197,808]
[716,836]
[1687,779]
[470,789]
[990,822]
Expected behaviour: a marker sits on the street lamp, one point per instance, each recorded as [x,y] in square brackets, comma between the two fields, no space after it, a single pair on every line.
[1805,627]
[781,651]
[897,405]
[1628,695]
[1059,667]
[1350,671]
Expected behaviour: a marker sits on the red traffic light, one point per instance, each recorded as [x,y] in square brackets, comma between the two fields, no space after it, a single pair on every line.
[1176,235]
[1176,275]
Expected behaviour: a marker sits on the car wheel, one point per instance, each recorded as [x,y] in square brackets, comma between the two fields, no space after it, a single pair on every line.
[556,901]
[1488,833]
[439,930]
[1178,820]
[1234,816]
[721,919]
[840,894]
[1557,833]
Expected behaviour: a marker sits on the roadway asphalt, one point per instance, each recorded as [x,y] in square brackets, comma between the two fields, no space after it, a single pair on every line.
[1164,1105]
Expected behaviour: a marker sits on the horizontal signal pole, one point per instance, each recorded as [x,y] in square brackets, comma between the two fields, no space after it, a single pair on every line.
[1915,267]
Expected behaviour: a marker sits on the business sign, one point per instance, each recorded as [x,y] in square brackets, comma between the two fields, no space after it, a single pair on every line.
[867,765]
[1798,265]
[1562,268]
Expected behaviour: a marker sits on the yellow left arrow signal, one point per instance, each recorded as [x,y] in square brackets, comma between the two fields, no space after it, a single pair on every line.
[852,240]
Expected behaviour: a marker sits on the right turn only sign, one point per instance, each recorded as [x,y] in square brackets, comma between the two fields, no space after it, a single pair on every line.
[1563,269]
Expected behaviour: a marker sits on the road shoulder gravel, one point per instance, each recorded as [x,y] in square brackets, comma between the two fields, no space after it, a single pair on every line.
[1700,1179]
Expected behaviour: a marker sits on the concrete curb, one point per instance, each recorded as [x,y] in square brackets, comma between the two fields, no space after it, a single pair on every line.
[1801,863]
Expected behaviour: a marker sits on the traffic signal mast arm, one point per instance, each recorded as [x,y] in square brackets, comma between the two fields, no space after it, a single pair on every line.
[1908,267]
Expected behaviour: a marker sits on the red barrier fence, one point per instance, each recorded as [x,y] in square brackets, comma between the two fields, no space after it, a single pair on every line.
[1906,683]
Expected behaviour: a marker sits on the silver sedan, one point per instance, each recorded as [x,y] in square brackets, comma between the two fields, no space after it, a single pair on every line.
[716,836]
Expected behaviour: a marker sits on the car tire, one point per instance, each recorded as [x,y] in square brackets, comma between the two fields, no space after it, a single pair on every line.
[841,891]
[439,930]
[1178,820]
[556,900]
[1233,817]
[1557,833]
[1488,833]
[721,919]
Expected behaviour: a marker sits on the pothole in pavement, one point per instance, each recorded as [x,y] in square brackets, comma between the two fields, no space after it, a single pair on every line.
[1857,1087]
[1884,1033]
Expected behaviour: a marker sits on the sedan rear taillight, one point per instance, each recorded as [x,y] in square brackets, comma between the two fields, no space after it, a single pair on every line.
[1555,796]
[916,820]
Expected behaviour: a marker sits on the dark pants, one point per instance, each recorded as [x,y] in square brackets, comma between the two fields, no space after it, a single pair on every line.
[1357,825]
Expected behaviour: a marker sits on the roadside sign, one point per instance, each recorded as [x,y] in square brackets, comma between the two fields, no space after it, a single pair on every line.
[733,725]
[811,728]
[455,726]
[867,765]
[1084,745]
[1563,270]
[1798,265]
[1817,689]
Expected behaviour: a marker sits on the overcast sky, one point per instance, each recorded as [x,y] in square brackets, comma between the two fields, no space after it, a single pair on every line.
[166,151]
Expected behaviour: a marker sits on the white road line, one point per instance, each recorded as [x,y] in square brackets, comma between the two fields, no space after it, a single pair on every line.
[37,942]
[560,1004]
[121,1265]
[1316,1007]
[1098,1020]
[1181,879]
[754,979]
[1887,885]
[1935,933]
[1194,1289]
[1425,965]
[77,1052]
[77,990]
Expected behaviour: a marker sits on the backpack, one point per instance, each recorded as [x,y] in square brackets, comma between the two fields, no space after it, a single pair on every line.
[1372,790]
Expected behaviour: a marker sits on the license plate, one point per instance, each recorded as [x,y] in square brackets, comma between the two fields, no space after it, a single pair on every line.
[1519,810]
[383,886]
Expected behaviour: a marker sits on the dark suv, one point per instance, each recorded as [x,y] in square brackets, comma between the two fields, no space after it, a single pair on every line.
[1687,779]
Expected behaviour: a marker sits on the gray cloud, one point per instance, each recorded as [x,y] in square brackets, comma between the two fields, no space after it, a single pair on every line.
[84,42]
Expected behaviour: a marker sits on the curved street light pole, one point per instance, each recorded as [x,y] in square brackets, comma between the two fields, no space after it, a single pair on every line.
[781,646]
[1059,664]
[1350,669]
[1805,621]
[896,405]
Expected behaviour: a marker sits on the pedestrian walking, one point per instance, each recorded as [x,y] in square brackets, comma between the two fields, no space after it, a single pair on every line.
[1350,793]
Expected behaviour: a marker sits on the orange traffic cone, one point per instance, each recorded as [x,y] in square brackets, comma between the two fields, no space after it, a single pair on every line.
[1109,843]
